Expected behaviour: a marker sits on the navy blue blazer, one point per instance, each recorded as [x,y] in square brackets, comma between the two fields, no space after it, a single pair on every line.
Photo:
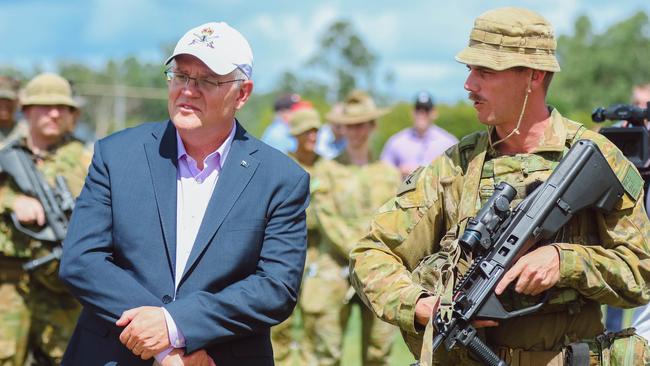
[244,270]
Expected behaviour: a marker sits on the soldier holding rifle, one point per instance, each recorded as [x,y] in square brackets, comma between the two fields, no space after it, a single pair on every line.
[37,313]
[411,253]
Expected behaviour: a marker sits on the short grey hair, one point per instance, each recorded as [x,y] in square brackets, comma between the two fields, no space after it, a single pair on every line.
[238,74]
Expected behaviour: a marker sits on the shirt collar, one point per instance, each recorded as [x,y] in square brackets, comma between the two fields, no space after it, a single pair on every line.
[426,135]
[214,160]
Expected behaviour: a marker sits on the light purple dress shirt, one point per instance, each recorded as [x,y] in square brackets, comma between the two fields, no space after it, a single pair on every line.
[194,188]
[407,147]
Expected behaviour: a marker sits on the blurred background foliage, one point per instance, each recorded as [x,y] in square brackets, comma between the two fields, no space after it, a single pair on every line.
[598,69]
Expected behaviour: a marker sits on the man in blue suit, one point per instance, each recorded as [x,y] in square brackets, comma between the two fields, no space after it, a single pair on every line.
[187,242]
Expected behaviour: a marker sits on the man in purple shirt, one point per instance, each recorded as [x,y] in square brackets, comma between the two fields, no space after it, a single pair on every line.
[420,144]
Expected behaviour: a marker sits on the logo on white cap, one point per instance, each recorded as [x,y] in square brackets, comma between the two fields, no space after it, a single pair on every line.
[205,37]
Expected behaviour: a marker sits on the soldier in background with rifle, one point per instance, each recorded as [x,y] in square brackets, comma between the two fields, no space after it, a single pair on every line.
[404,267]
[37,313]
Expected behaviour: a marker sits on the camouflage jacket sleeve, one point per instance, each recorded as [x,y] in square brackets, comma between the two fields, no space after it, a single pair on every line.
[616,269]
[404,231]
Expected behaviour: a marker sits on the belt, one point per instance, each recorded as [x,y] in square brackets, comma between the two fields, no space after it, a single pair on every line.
[519,357]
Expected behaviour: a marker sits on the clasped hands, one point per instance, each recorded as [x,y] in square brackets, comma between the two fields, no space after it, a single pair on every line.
[535,273]
[145,334]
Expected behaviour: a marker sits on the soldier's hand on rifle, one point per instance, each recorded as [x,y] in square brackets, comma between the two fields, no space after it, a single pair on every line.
[425,308]
[537,271]
[28,210]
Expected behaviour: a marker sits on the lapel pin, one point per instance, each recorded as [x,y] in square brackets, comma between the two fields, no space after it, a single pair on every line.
[244,164]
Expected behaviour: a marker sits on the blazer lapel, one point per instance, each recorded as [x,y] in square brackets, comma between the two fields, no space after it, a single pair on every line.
[162,156]
[233,179]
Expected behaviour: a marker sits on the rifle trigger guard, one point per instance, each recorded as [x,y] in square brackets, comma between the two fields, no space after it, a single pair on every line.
[47,234]
[493,309]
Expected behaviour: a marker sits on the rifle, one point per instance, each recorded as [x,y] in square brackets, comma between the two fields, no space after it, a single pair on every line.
[57,202]
[497,237]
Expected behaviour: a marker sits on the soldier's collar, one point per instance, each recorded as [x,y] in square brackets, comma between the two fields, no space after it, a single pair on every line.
[555,134]
[44,154]
[344,158]
[553,139]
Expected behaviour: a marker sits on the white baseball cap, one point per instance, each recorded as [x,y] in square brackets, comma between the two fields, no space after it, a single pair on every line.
[219,46]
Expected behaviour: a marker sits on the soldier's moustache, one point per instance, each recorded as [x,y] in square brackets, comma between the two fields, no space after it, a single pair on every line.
[475,97]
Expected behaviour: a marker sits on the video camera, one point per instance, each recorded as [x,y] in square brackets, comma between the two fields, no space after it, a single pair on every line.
[634,140]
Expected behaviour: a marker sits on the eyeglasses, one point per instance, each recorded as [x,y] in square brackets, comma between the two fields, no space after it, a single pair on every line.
[178,79]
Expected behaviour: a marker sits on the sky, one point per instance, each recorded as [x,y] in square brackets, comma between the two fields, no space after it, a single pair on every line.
[415,40]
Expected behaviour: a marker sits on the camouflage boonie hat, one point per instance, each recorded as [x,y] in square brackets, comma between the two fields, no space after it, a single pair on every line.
[304,120]
[48,89]
[358,107]
[509,37]
[8,88]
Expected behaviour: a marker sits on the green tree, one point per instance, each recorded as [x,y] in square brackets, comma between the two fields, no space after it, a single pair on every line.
[123,93]
[600,69]
[345,59]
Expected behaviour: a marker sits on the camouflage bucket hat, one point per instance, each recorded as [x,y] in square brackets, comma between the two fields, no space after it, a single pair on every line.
[304,120]
[48,89]
[358,107]
[8,88]
[509,37]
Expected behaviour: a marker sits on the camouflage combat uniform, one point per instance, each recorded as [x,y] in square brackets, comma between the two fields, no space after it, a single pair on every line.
[604,258]
[344,199]
[39,298]
[282,334]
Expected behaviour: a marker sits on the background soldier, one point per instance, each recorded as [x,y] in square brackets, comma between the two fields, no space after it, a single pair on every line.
[347,191]
[303,126]
[9,127]
[51,113]
[595,259]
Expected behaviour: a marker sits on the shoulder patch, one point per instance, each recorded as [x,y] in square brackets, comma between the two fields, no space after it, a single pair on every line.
[632,182]
[411,180]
